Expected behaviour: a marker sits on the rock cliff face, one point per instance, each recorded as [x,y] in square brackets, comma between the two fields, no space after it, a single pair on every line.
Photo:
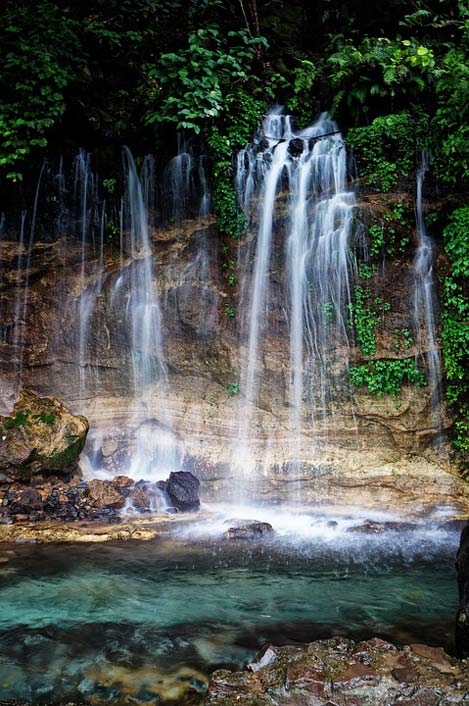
[360,450]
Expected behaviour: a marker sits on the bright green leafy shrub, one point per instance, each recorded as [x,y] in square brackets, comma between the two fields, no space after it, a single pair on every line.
[40,56]
[190,86]
[387,376]
[455,322]
[384,150]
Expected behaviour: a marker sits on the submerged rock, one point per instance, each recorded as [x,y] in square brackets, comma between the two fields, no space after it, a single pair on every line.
[372,527]
[248,529]
[462,615]
[344,673]
[182,488]
[368,527]
[40,436]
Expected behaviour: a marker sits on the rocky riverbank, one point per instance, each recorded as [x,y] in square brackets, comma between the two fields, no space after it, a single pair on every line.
[341,672]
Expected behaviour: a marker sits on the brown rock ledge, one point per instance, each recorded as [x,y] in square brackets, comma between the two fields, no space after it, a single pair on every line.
[137,528]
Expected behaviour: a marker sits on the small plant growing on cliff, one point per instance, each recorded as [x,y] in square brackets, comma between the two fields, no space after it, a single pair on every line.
[363,319]
[233,388]
[402,339]
[44,417]
[386,376]
[19,420]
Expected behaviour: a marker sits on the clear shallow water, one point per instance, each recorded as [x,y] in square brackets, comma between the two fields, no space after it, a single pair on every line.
[149,621]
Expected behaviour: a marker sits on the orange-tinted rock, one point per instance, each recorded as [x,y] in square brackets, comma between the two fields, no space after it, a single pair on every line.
[122,482]
[140,499]
[102,494]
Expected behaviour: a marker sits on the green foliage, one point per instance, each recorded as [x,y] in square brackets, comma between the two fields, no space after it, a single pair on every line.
[451,129]
[241,115]
[328,312]
[455,326]
[230,220]
[391,234]
[402,339]
[366,271]
[387,376]
[45,417]
[376,236]
[233,388]
[364,319]
[379,376]
[190,86]
[378,66]
[41,55]
[384,150]
[110,185]
[301,89]
[19,420]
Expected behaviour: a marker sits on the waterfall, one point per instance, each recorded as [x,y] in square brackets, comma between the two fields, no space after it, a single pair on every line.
[90,230]
[156,449]
[424,312]
[143,308]
[179,182]
[294,184]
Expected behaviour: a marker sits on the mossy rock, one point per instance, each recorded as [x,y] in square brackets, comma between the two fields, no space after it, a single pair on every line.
[40,436]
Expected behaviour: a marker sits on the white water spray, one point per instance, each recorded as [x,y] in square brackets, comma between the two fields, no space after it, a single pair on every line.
[309,169]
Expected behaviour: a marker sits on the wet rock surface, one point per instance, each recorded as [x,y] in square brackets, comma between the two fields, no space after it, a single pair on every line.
[341,672]
[396,463]
[372,527]
[462,615]
[40,436]
[182,488]
[102,500]
[103,494]
[248,530]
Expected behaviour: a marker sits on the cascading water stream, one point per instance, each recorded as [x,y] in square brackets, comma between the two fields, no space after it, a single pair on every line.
[309,168]
[156,452]
[86,195]
[424,313]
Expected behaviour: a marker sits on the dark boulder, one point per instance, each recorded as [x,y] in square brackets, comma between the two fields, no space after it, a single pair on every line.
[462,615]
[296,146]
[248,529]
[182,488]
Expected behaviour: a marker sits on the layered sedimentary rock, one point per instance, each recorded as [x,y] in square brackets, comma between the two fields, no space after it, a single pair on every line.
[366,450]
